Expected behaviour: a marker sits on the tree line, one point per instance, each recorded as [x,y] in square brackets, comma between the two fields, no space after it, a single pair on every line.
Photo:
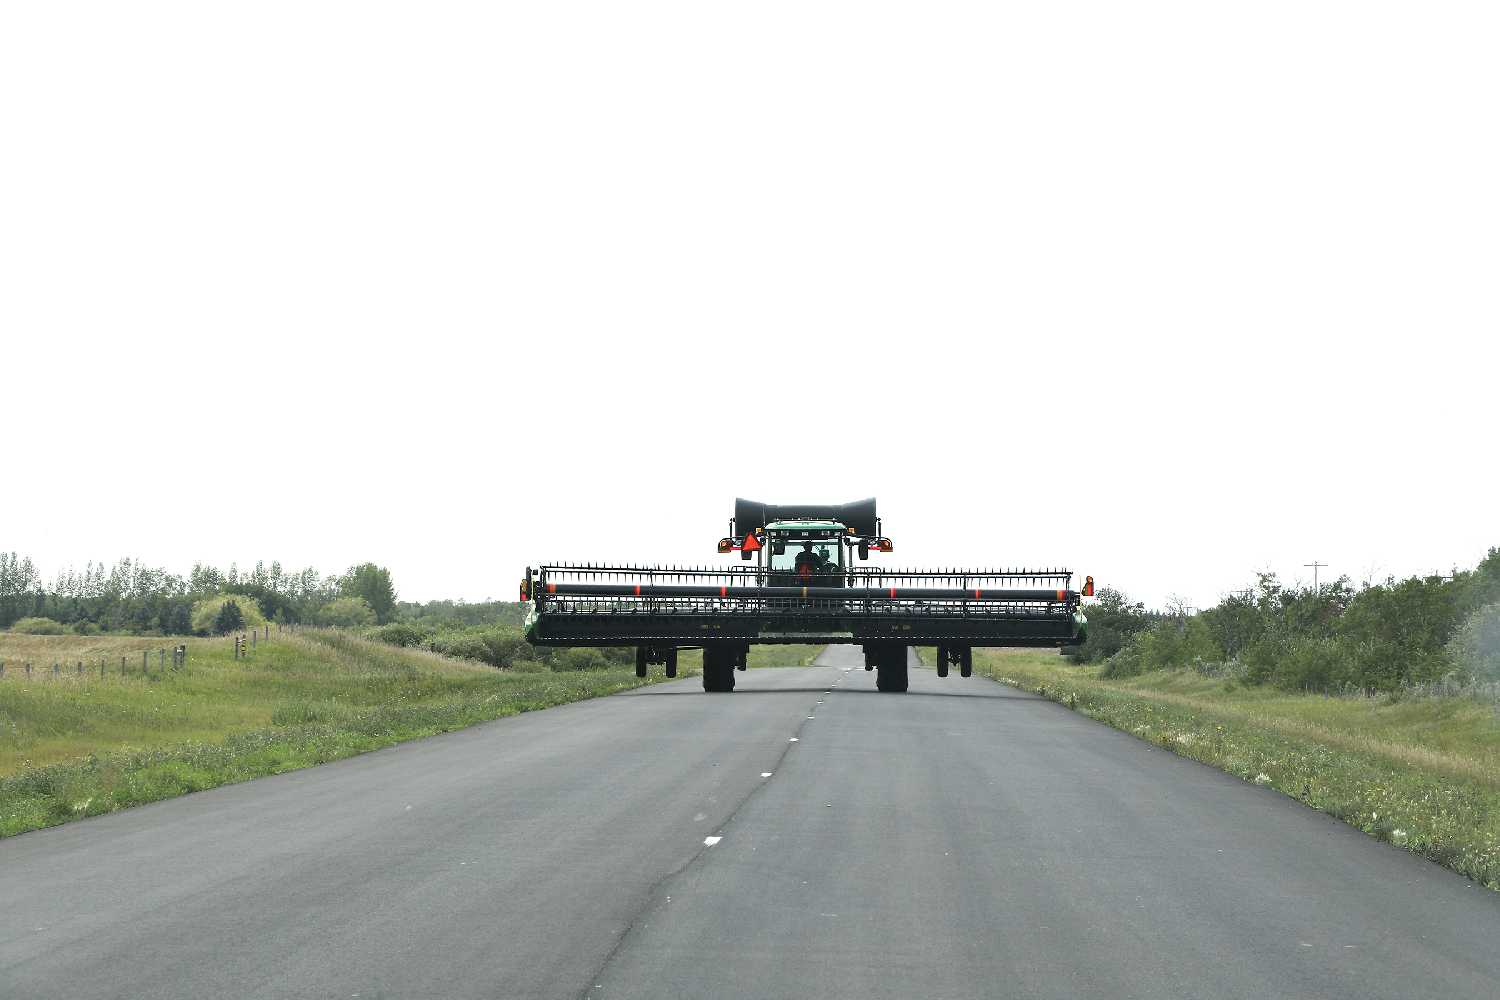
[131,596]
[1379,637]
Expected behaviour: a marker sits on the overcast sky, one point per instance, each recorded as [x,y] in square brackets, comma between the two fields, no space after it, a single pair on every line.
[1163,292]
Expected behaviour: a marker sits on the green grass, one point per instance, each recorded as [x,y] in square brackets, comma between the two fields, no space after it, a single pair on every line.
[760,656]
[73,747]
[1419,772]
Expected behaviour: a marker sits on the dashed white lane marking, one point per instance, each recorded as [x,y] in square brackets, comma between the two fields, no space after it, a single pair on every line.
[792,740]
[711,841]
[765,774]
[812,716]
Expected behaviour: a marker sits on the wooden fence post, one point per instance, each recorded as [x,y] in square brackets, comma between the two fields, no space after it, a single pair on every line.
[122,666]
[146,662]
[28,671]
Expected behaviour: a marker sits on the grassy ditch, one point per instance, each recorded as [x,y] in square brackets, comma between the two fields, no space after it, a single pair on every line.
[76,745]
[1419,772]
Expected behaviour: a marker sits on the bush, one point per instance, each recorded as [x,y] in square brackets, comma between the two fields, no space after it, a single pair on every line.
[468,647]
[506,647]
[39,626]
[579,659]
[1113,622]
[1178,642]
[346,612]
[1125,662]
[1385,637]
[497,645]
[206,611]
[1475,650]
[86,628]
[400,634]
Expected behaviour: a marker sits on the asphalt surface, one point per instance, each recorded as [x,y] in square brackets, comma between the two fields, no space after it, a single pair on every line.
[963,840]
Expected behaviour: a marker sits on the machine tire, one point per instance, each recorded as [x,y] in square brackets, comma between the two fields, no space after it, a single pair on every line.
[718,669]
[640,661]
[966,661]
[942,661]
[890,669]
[670,663]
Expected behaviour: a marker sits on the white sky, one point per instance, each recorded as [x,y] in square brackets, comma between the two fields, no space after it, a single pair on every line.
[1163,292]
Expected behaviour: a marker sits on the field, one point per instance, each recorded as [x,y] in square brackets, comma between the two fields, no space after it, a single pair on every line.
[1420,772]
[73,746]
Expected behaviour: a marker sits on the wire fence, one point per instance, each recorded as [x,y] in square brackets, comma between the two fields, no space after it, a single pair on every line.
[154,664]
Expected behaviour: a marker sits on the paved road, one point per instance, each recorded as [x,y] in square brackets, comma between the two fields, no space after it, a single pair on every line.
[963,840]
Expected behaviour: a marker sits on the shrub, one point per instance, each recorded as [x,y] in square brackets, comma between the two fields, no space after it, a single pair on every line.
[1475,650]
[498,645]
[346,612]
[1125,662]
[579,659]
[1113,621]
[400,634]
[505,647]
[39,626]
[468,647]
[1178,642]
[206,611]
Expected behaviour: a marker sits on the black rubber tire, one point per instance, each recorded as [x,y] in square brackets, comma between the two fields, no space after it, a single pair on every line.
[890,670]
[965,661]
[671,664]
[640,661]
[718,669]
[942,661]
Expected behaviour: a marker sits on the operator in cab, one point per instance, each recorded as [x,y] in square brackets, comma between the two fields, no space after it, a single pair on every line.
[810,564]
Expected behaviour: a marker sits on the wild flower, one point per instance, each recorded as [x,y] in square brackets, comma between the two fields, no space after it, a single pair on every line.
[1262,778]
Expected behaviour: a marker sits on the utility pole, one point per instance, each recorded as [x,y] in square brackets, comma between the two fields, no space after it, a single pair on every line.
[1315,565]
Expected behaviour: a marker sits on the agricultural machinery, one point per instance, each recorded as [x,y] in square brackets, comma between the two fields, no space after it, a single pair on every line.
[801,579]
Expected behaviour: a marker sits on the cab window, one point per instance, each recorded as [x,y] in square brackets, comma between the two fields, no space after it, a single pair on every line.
[824,555]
